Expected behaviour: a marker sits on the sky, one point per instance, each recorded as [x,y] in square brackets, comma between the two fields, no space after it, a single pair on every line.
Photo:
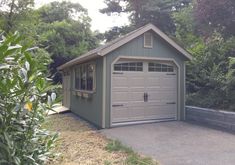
[100,21]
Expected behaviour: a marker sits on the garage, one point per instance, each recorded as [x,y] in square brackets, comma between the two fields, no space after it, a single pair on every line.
[143,91]
[136,78]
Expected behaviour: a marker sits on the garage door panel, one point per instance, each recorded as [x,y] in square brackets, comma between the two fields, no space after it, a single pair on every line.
[120,81]
[161,96]
[120,96]
[136,82]
[120,89]
[168,82]
[137,113]
[120,114]
[162,111]
[153,82]
[136,96]
[136,89]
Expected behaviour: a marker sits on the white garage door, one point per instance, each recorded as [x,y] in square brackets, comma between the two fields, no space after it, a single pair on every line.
[143,91]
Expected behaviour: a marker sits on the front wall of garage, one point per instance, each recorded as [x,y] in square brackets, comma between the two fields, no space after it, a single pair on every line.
[161,49]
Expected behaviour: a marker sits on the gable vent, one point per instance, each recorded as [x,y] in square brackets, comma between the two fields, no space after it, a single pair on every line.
[148,40]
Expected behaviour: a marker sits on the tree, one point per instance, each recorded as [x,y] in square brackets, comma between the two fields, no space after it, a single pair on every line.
[213,15]
[230,83]
[12,11]
[116,32]
[141,12]
[65,33]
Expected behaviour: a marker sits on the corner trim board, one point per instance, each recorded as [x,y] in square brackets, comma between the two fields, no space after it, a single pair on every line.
[104,92]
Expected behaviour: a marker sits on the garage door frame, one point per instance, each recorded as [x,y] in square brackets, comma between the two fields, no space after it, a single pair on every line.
[145,59]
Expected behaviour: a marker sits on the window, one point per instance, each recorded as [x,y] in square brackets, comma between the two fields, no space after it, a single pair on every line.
[85,77]
[148,40]
[158,67]
[129,66]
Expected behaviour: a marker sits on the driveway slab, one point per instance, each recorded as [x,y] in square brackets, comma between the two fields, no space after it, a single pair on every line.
[178,143]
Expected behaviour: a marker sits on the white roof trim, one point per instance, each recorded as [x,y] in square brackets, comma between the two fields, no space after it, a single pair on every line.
[78,60]
[105,49]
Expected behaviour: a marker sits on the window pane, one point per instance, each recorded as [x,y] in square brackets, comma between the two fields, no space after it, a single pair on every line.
[170,69]
[158,65]
[139,64]
[132,64]
[83,78]
[158,69]
[151,64]
[90,72]
[117,67]
[139,68]
[164,69]
[132,68]
[124,66]
[77,78]
[151,69]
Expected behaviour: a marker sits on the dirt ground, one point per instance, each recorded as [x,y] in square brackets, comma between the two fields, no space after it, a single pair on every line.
[80,144]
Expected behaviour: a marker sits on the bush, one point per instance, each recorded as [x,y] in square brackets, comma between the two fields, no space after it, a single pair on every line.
[24,101]
[210,76]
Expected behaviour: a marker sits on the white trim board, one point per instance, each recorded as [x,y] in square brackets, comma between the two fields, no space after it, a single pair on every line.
[104,93]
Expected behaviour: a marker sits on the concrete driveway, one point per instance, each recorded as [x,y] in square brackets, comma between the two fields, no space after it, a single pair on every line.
[178,143]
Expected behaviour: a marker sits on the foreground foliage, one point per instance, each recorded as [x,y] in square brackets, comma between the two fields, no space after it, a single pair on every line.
[24,101]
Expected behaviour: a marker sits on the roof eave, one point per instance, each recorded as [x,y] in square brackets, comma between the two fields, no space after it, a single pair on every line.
[78,60]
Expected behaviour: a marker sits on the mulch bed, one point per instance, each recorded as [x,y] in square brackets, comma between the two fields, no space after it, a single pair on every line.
[80,143]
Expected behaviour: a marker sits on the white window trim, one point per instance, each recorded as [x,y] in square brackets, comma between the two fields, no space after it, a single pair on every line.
[94,79]
[160,63]
[151,35]
[121,62]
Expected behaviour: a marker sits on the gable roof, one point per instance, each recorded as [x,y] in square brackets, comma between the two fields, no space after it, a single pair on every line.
[110,46]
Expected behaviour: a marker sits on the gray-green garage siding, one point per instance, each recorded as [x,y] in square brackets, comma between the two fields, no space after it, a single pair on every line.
[89,108]
[134,48]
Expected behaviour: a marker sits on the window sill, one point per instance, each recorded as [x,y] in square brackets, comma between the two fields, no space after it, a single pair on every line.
[83,93]
[148,47]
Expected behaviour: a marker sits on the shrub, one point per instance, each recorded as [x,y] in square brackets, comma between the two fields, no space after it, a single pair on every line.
[24,101]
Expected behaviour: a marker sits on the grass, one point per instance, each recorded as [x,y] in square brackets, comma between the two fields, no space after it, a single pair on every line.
[132,157]
[81,144]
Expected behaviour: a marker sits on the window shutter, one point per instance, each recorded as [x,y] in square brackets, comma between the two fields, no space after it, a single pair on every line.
[148,40]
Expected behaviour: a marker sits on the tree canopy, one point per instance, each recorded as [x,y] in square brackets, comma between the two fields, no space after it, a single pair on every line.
[64,31]
[157,12]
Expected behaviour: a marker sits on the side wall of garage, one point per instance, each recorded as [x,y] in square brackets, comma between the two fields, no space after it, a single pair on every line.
[135,48]
[89,108]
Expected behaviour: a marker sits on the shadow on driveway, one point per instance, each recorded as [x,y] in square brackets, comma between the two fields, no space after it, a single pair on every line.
[178,143]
